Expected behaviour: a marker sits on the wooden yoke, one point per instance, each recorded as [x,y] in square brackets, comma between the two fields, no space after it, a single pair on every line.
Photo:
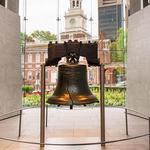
[58,50]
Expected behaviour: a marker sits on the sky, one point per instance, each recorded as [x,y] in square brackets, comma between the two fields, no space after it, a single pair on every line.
[42,14]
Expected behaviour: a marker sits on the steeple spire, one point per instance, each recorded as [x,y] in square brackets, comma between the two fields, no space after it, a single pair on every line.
[75,23]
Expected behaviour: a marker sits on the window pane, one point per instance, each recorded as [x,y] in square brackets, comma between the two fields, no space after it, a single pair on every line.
[38,58]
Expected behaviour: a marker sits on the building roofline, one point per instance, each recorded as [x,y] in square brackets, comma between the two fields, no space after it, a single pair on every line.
[107,5]
[75,32]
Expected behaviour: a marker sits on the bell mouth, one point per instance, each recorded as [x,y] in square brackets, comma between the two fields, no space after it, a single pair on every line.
[80,100]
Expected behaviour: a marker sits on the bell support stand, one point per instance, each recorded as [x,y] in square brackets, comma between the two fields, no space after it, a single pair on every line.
[42,113]
[102,103]
[55,52]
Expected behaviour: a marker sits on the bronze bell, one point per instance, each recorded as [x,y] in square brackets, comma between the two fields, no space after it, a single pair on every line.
[72,86]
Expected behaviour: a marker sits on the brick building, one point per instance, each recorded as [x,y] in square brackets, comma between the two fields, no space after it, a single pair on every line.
[35,55]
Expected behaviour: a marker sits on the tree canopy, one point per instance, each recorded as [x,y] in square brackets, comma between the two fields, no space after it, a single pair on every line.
[36,35]
[24,37]
[118,47]
[43,35]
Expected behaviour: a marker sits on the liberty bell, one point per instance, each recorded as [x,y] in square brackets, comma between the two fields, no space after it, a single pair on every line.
[72,85]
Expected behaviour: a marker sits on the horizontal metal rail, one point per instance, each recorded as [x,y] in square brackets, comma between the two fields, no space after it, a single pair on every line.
[75,144]
[138,116]
[77,109]
[137,112]
[17,110]
[13,116]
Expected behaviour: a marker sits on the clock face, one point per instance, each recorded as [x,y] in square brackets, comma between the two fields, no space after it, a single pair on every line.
[72,21]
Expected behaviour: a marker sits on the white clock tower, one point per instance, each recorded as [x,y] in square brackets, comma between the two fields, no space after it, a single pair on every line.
[75,23]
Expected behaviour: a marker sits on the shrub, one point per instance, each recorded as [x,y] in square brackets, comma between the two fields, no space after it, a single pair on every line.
[113,97]
[33,100]
[27,88]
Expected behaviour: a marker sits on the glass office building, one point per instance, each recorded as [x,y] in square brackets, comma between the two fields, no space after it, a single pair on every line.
[110,20]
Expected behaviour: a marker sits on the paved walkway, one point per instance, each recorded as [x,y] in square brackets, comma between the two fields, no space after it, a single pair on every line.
[74,126]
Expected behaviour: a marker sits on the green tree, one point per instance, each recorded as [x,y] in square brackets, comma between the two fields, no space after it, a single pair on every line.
[118,48]
[24,37]
[29,38]
[43,35]
[120,70]
[113,53]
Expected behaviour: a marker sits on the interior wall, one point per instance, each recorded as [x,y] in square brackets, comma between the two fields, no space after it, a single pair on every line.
[10,61]
[138,68]
[13,5]
[2,2]
[135,5]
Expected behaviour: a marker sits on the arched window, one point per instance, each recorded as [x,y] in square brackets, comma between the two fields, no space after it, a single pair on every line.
[46,74]
[45,56]
[91,74]
[29,58]
[38,58]
[29,75]
[77,3]
[74,4]
[37,75]
[53,77]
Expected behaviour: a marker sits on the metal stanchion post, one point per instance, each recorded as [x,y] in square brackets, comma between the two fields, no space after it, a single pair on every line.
[42,118]
[126,119]
[46,115]
[20,121]
[102,103]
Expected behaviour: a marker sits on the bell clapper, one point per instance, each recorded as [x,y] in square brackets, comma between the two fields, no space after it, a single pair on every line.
[71,106]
